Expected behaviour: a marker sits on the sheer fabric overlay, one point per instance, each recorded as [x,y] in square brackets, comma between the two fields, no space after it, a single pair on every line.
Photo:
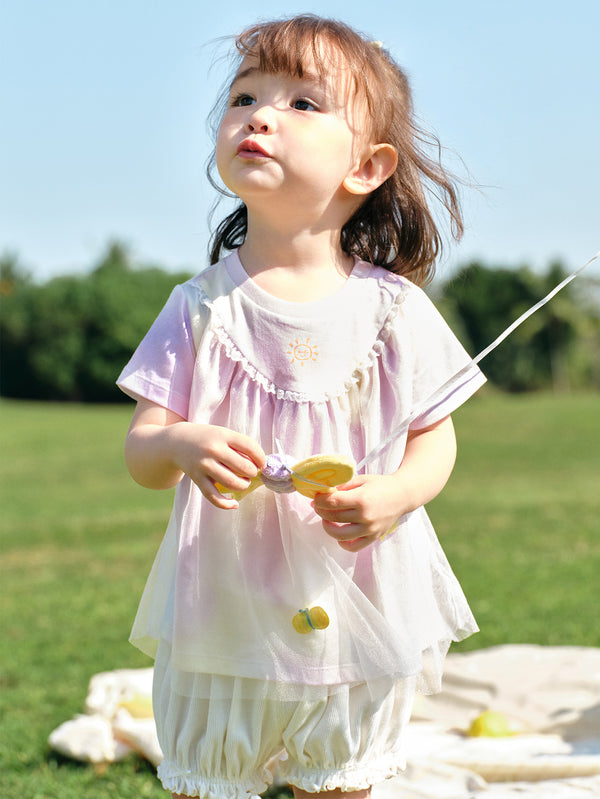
[333,376]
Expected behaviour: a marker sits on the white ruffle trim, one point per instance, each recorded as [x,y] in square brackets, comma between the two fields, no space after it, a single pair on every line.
[312,781]
[190,784]
[233,352]
[347,779]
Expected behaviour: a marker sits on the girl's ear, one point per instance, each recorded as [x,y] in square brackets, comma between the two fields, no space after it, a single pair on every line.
[376,166]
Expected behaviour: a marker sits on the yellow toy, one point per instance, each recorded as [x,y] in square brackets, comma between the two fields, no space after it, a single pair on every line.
[138,707]
[319,474]
[490,724]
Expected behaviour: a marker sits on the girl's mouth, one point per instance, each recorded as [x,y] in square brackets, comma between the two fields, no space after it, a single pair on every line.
[250,149]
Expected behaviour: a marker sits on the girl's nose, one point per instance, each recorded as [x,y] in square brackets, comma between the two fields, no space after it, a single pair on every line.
[260,121]
[257,127]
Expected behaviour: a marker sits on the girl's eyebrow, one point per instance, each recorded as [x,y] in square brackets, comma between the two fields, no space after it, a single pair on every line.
[308,77]
[244,74]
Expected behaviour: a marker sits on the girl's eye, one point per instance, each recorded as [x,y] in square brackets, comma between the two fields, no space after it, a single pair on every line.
[242,100]
[302,104]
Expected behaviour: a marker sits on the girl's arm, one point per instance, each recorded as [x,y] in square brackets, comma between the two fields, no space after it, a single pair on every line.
[161,447]
[363,510]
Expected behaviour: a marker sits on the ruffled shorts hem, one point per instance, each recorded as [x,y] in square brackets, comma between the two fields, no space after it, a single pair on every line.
[312,781]
[190,784]
[346,779]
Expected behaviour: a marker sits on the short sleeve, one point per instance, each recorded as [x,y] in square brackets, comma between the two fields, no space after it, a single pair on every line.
[444,375]
[162,367]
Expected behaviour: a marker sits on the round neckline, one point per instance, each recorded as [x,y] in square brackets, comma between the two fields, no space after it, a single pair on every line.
[254,292]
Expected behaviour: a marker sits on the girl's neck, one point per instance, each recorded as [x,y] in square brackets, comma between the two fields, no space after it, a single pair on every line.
[302,267]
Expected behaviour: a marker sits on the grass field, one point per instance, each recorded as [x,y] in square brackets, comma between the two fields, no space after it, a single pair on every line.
[519,521]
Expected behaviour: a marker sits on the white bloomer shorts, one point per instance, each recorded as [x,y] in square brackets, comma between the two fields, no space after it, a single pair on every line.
[223,737]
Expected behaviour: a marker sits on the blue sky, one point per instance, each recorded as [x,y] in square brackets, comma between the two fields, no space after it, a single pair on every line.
[104,109]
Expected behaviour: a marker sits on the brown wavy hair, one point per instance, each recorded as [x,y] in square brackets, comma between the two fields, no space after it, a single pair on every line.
[394,227]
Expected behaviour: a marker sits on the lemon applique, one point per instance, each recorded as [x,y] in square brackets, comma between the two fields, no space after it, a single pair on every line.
[309,619]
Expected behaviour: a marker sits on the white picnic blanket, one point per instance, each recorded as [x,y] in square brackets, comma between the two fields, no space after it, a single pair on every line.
[550,696]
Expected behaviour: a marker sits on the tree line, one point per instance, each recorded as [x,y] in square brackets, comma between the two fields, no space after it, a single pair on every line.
[68,338]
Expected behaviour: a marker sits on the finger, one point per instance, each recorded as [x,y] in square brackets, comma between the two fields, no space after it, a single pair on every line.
[356,544]
[222,474]
[240,465]
[222,502]
[356,482]
[343,516]
[249,448]
[248,467]
[343,532]
[214,496]
[223,456]
[336,500]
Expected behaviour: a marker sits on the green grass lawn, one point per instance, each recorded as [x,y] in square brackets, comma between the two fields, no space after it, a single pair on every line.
[518,520]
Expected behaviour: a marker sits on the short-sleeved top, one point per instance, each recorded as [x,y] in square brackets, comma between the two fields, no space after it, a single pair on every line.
[331,376]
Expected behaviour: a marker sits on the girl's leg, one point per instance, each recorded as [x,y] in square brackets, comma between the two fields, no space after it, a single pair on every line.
[337,794]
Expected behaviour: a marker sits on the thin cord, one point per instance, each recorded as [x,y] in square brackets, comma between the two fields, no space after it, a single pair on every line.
[443,390]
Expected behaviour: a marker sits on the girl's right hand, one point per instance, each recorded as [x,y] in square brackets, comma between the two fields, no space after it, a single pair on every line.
[209,454]
[161,447]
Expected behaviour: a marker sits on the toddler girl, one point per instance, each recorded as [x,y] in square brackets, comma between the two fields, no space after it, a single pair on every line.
[288,630]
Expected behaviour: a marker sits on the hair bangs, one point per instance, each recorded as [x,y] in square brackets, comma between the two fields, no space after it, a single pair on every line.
[305,44]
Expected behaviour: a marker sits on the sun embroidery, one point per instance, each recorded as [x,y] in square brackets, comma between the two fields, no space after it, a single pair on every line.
[302,351]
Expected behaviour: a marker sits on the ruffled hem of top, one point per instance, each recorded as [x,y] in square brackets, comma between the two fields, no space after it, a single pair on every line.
[188,783]
[346,779]
[233,352]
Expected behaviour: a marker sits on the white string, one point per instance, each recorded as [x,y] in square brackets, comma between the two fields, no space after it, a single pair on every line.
[444,389]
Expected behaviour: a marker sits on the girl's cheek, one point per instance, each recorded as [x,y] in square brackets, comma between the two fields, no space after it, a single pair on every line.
[221,153]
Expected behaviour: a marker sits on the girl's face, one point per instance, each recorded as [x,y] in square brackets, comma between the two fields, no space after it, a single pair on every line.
[289,140]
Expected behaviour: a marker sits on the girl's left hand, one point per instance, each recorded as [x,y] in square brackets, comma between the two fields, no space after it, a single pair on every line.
[358,513]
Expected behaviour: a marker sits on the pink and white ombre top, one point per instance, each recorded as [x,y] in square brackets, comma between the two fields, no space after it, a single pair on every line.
[331,376]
